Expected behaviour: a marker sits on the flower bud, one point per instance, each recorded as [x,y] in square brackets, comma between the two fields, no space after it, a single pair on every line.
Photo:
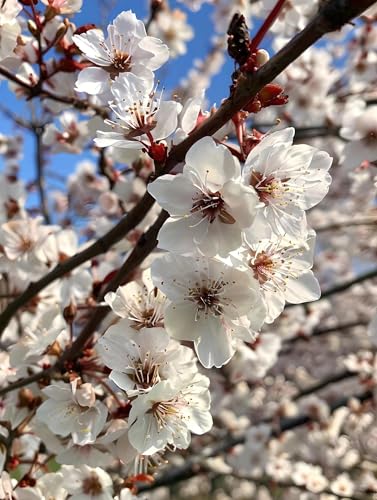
[32,27]
[262,56]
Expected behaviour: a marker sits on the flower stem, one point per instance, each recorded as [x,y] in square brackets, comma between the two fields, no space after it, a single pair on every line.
[266,25]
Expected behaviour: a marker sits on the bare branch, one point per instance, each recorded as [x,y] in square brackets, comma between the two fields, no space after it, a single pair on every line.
[35,91]
[319,332]
[364,221]
[39,160]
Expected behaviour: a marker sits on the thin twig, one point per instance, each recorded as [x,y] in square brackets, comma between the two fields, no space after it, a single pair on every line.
[34,91]
[365,221]
[39,160]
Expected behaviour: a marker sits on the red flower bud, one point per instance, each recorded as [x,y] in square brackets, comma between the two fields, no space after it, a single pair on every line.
[158,152]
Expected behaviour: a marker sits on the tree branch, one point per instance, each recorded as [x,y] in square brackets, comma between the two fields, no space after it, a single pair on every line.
[364,221]
[35,91]
[322,384]
[39,160]
[319,332]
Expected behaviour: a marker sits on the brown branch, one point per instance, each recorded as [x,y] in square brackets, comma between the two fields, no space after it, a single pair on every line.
[35,91]
[319,332]
[365,221]
[146,243]
[332,16]
[322,384]
[39,160]
[342,287]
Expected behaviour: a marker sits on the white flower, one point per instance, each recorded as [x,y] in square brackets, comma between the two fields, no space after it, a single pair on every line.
[71,139]
[6,487]
[48,486]
[9,11]
[310,476]
[36,341]
[73,410]
[343,485]
[21,241]
[9,34]
[212,303]
[168,413]
[141,118]
[252,362]
[171,28]
[288,180]
[208,204]
[317,482]
[141,359]
[139,302]
[126,49]
[279,468]
[359,125]
[282,268]
[76,285]
[87,483]
[64,6]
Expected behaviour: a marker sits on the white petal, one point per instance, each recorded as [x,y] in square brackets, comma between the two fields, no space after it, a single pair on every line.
[214,347]
[173,193]
[93,81]
[303,289]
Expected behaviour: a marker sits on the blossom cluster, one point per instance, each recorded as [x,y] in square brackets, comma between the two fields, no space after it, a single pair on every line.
[163,306]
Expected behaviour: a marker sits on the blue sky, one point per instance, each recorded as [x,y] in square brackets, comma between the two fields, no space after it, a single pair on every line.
[170,75]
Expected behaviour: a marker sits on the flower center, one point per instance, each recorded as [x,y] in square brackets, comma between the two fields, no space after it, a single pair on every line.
[92,486]
[211,205]
[121,63]
[163,410]
[207,299]
[371,137]
[25,244]
[69,136]
[142,118]
[146,373]
[262,266]
[266,187]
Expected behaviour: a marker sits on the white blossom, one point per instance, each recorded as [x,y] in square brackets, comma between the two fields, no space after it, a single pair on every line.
[127,48]
[73,409]
[207,203]
[282,268]
[140,302]
[288,180]
[141,118]
[140,359]
[87,483]
[168,413]
[211,304]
